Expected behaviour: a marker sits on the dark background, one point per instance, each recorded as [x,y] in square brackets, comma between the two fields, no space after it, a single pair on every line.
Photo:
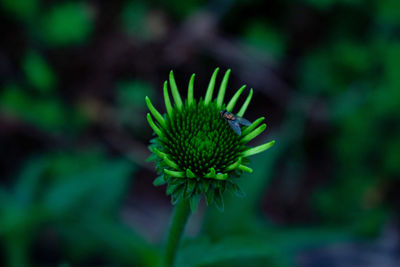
[75,189]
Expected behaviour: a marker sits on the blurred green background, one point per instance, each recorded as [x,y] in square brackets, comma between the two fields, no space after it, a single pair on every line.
[75,187]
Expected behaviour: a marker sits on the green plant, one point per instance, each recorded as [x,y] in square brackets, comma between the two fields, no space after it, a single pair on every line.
[197,153]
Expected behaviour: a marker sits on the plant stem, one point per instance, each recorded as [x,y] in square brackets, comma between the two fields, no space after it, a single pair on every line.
[181,214]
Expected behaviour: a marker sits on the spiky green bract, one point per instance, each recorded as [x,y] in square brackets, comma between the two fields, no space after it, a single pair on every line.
[195,150]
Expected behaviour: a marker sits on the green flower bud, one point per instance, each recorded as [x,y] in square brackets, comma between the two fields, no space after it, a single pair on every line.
[195,150]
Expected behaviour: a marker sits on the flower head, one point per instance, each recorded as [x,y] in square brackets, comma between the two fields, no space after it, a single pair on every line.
[195,150]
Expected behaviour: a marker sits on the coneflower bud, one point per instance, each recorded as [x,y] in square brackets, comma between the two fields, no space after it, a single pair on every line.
[195,150]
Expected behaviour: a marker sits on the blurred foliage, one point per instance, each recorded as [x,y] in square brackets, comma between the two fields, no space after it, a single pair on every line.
[68,194]
[133,19]
[360,80]
[130,95]
[326,4]
[38,73]
[181,9]
[21,9]
[74,75]
[47,112]
[265,38]
[67,24]
[389,11]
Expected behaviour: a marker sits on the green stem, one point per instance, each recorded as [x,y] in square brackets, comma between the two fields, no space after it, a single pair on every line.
[181,214]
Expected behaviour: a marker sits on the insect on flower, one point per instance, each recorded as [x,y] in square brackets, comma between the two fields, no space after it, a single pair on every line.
[234,121]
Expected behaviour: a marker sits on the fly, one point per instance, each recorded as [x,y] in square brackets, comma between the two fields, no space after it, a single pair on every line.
[234,121]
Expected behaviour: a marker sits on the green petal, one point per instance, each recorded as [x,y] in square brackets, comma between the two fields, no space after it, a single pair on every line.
[177,174]
[234,165]
[252,126]
[206,186]
[245,168]
[253,134]
[235,97]
[191,186]
[155,113]
[235,189]
[221,176]
[174,90]
[177,194]
[171,163]
[211,174]
[194,201]
[258,149]
[190,174]
[245,104]
[173,186]
[167,161]
[219,200]
[190,89]
[159,181]
[210,196]
[222,89]
[151,158]
[210,89]
[167,101]
[159,153]
[154,126]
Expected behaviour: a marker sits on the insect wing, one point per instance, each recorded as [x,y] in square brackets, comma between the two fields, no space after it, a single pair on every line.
[235,126]
[243,121]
